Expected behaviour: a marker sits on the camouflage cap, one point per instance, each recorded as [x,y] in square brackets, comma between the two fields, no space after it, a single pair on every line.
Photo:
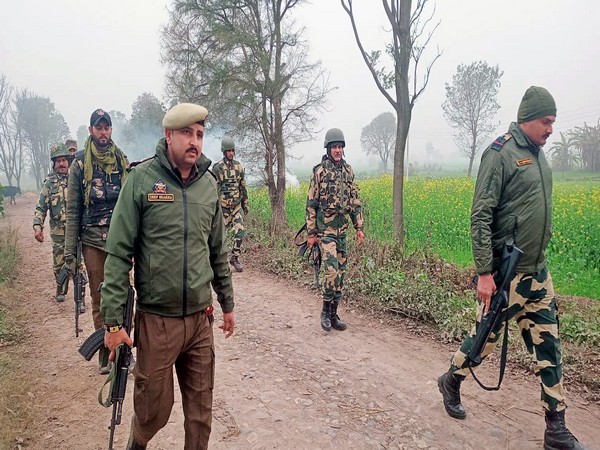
[184,115]
[58,150]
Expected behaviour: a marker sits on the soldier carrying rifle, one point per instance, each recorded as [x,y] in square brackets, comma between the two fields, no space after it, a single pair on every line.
[513,201]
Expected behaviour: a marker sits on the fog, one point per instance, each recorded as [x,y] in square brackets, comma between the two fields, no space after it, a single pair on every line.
[88,55]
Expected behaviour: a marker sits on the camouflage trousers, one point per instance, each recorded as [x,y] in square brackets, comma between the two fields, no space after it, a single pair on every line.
[234,221]
[533,305]
[334,259]
[58,255]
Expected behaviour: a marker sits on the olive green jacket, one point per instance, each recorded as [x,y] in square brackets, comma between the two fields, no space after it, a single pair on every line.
[513,200]
[176,236]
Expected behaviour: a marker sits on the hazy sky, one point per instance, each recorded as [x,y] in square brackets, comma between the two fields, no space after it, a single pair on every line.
[85,55]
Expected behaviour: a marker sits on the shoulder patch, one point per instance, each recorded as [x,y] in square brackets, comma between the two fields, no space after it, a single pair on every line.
[500,141]
[132,164]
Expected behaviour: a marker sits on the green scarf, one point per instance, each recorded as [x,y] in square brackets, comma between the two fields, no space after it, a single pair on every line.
[107,162]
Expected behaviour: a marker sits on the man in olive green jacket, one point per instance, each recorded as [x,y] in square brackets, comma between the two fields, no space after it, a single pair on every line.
[513,201]
[168,220]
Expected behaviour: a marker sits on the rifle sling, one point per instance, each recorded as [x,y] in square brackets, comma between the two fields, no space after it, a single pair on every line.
[110,380]
[502,361]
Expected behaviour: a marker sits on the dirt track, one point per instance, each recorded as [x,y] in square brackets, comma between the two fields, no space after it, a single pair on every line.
[281,383]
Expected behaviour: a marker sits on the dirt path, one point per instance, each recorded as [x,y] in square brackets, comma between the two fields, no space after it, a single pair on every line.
[281,383]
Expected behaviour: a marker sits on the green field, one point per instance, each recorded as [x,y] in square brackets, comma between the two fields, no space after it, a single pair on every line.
[437,217]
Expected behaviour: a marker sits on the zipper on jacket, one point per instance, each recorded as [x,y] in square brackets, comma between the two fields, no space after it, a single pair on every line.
[185,252]
[545,212]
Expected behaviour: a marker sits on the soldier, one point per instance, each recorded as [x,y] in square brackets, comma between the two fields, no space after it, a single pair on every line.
[165,198]
[53,199]
[234,197]
[513,200]
[72,147]
[332,195]
[95,179]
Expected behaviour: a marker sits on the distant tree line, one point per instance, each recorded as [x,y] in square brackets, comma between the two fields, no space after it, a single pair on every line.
[578,149]
[30,125]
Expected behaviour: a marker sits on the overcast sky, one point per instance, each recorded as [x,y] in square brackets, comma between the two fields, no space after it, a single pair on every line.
[85,55]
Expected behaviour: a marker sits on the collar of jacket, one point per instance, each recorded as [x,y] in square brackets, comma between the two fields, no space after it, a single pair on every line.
[202,165]
[328,162]
[521,138]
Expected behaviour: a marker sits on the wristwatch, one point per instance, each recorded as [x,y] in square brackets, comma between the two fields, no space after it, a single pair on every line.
[112,328]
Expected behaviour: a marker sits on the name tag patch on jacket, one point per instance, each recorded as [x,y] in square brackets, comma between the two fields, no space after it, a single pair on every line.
[159,193]
[524,162]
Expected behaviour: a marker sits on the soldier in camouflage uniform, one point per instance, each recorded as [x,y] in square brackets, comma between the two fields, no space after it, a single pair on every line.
[234,197]
[72,147]
[53,199]
[332,195]
[513,200]
[95,180]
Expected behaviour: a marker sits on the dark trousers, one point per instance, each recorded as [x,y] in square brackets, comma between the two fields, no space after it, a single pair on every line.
[186,343]
[94,262]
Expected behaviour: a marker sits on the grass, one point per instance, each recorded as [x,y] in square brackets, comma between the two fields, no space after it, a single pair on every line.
[14,409]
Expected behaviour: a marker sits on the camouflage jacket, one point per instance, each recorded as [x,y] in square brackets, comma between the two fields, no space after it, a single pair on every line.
[232,184]
[513,200]
[90,223]
[332,195]
[53,199]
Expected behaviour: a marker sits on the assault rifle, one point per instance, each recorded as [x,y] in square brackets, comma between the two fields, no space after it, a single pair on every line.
[79,281]
[314,255]
[511,255]
[118,375]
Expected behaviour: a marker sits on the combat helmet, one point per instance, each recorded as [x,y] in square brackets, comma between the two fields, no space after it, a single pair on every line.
[334,135]
[227,144]
[59,150]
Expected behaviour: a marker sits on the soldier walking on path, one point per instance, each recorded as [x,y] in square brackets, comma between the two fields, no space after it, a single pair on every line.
[234,197]
[332,196]
[95,179]
[513,201]
[53,200]
[168,221]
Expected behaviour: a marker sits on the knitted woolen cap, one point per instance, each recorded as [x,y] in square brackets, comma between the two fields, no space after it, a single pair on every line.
[537,102]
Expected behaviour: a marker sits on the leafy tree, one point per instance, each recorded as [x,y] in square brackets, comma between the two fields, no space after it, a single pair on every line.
[563,153]
[471,105]
[82,134]
[11,150]
[378,138]
[587,140]
[407,44]
[145,125]
[248,61]
[41,126]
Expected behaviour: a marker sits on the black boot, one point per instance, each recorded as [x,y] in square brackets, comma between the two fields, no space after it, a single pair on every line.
[237,265]
[557,435]
[336,322]
[449,386]
[59,297]
[326,316]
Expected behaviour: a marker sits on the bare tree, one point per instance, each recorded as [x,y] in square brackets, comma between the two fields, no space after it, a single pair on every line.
[41,126]
[11,151]
[378,138]
[471,105]
[248,61]
[399,84]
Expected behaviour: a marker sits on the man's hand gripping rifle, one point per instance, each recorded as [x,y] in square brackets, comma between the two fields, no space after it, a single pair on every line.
[511,255]
[118,374]
[79,281]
